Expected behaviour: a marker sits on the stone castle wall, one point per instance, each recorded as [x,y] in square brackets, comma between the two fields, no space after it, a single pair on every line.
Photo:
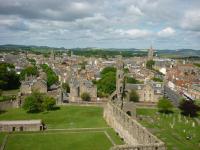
[8,104]
[134,134]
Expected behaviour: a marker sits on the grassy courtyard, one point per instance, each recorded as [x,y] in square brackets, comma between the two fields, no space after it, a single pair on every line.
[173,129]
[65,117]
[70,128]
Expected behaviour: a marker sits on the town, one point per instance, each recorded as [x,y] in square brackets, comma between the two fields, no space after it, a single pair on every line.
[99,75]
[130,93]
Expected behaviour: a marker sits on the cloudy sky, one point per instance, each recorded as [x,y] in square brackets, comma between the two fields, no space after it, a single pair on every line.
[169,24]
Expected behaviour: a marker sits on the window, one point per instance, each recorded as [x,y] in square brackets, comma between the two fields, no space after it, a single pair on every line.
[13,128]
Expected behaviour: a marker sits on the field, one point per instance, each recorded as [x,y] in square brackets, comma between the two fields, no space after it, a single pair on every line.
[70,128]
[177,131]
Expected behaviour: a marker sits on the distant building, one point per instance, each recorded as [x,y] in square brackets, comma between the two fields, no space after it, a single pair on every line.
[148,92]
[150,53]
[80,86]
[33,84]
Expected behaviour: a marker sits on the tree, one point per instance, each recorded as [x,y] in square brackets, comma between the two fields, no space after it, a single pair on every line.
[164,105]
[52,78]
[149,64]
[66,87]
[107,84]
[8,78]
[28,71]
[189,108]
[133,96]
[85,96]
[38,102]
[48,103]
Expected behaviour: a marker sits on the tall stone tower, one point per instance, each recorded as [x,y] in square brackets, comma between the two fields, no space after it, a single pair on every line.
[52,55]
[150,53]
[119,78]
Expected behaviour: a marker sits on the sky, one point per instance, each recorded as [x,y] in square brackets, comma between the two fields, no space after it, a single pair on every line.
[165,24]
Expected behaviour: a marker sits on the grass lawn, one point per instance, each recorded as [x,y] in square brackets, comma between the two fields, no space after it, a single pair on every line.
[62,141]
[174,137]
[65,117]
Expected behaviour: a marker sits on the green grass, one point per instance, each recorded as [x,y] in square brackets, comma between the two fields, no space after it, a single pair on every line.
[65,117]
[55,141]
[2,135]
[175,138]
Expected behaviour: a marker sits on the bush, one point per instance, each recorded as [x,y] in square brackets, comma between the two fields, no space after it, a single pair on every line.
[38,102]
[85,96]
[133,96]
[164,105]
[189,108]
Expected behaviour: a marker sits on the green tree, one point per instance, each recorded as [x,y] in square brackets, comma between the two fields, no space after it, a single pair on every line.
[133,96]
[189,108]
[52,78]
[66,87]
[37,102]
[48,103]
[150,64]
[85,96]
[8,77]
[164,105]
[28,71]
[107,84]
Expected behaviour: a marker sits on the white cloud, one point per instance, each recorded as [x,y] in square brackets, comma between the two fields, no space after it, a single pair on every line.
[167,32]
[133,10]
[191,20]
[133,33]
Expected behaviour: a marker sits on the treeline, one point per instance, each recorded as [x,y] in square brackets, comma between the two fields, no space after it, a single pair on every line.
[107,53]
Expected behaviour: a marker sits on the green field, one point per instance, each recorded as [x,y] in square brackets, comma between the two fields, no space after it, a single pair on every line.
[173,129]
[69,128]
[65,117]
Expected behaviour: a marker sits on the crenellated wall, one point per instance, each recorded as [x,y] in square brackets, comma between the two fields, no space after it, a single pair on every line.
[134,134]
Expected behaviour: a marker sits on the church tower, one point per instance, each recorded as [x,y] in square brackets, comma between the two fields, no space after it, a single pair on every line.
[150,53]
[119,78]
[52,55]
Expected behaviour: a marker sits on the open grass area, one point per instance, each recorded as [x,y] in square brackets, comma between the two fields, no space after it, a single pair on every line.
[65,117]
[173,129]
[61,140]
[70,128]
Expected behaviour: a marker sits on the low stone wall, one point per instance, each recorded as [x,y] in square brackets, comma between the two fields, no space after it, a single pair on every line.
[8,104]
[134,134]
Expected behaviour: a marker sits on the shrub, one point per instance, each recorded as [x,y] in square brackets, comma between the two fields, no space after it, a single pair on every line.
[164,105]
[189,108]
[85,96]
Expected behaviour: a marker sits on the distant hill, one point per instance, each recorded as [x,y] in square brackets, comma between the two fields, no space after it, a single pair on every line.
[163,53]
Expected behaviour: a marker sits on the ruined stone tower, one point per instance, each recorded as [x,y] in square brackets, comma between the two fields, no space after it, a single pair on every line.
[119,78]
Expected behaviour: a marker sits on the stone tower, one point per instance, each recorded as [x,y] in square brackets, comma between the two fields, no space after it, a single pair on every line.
[52,55]
[119,78]
[150,53]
